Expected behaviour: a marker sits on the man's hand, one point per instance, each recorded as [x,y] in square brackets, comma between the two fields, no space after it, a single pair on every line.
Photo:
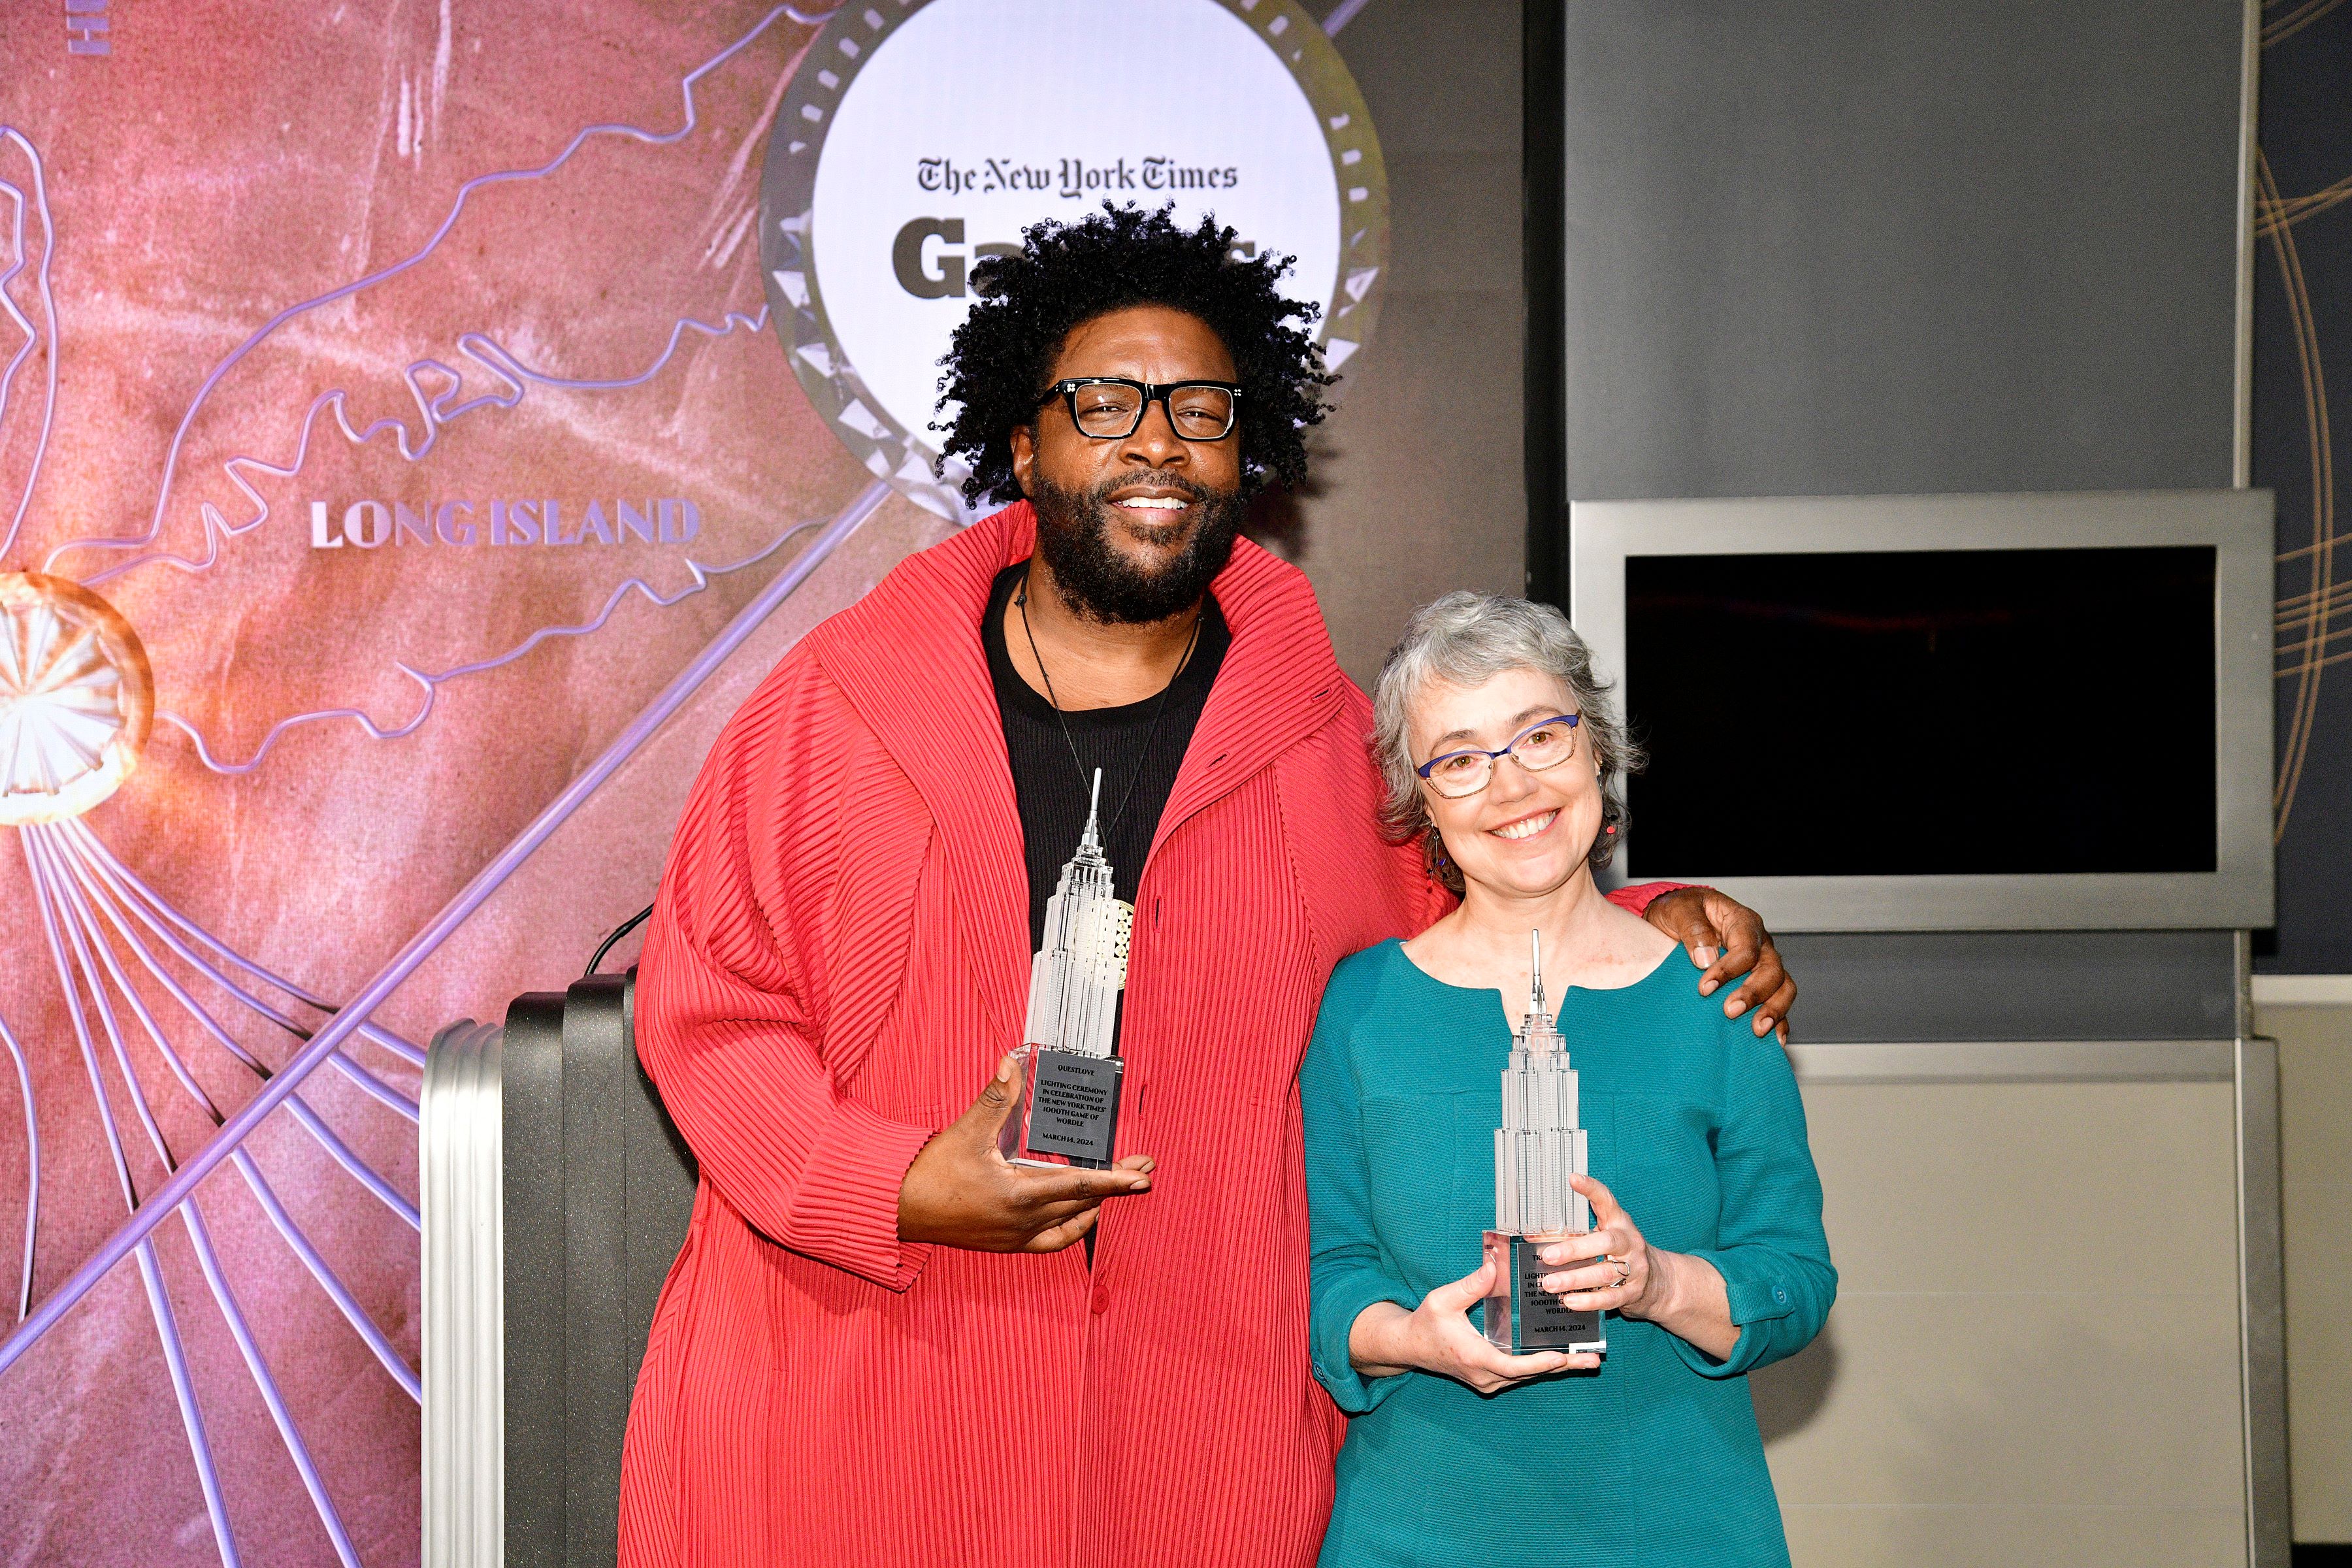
[960,1191]
[1726,938]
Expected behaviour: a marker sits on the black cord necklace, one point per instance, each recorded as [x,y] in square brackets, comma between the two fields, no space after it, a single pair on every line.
[1143,753]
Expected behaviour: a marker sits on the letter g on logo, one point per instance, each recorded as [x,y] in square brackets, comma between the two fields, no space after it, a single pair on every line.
[907,259]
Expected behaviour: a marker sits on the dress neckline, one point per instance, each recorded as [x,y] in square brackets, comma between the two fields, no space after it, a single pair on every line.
[1651,973]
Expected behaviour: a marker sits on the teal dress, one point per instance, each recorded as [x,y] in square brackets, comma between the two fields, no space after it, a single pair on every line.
[1694,1124]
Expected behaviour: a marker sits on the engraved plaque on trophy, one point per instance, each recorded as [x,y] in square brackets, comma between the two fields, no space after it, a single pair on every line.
[1537,1149]
[1067,1109]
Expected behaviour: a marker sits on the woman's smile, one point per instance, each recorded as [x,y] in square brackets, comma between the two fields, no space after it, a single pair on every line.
[1527,826]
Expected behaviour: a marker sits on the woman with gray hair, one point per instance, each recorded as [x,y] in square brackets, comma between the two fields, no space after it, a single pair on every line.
[1706,1255]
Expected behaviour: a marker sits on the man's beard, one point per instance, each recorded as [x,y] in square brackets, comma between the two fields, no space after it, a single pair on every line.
[1073,535]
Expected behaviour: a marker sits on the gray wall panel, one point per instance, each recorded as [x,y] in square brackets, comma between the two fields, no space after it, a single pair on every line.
[2015,985]
[1419,479]
[1823,247]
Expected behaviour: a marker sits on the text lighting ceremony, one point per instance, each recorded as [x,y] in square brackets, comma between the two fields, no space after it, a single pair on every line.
[555,563]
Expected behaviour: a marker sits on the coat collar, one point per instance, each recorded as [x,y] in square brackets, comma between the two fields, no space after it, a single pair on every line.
[1280,682]
[910,659]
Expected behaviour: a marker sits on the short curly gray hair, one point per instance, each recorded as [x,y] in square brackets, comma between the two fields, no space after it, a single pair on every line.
[1467,639]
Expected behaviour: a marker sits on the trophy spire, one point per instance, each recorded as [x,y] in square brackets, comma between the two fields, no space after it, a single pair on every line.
[1537,1031]
[1535,974]
[1090,840]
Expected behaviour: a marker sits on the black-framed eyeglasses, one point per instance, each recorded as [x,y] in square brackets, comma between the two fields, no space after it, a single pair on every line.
[1544,744]
[1110,407]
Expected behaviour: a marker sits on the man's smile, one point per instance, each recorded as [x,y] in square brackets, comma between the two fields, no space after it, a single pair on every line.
[1153,503]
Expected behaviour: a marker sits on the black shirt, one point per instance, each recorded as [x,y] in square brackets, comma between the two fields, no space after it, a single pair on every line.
[1138,761]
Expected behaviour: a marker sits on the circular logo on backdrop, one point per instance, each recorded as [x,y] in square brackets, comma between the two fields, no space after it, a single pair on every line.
[915,138]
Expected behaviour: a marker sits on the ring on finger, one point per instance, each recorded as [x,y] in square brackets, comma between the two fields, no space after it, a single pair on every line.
[1624,1269]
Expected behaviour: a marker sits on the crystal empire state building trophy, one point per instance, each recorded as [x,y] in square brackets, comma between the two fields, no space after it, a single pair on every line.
[1068,1106]
[1537,1149]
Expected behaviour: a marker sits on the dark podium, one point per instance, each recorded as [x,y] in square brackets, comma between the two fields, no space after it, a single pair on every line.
[557,1193]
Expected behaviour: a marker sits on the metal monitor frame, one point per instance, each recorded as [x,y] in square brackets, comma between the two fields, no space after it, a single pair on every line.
[2238,522]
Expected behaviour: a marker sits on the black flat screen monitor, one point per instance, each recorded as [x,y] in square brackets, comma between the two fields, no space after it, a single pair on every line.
[1946,712]
[1925,713]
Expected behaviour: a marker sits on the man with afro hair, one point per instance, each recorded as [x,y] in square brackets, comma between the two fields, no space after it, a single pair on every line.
[881,1343]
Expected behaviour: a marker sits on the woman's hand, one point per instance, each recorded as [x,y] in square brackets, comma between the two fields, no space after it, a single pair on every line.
[1439,1336]
[1624,1276]
[1682,1294]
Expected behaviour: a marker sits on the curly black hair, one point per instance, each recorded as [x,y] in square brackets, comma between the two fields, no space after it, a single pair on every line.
[1067,274]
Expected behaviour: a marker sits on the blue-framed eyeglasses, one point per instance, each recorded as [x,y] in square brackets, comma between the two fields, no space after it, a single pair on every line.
[1545,743]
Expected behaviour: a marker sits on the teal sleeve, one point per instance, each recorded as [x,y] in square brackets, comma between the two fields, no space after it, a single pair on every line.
[1770,1249]
[1348,1272]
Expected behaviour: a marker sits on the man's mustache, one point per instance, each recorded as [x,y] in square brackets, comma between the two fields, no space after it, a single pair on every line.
[1191,489]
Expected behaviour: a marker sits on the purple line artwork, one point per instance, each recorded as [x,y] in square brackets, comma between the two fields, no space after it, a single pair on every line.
[192,1199]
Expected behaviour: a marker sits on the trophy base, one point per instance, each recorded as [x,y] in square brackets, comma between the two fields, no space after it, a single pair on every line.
[1521,1315]
[1067,1112]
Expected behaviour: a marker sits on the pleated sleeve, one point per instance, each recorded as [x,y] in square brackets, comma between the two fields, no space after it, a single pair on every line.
[731,1016]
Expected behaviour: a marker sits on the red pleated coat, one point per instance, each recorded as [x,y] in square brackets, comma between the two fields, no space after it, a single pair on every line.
[838,959]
